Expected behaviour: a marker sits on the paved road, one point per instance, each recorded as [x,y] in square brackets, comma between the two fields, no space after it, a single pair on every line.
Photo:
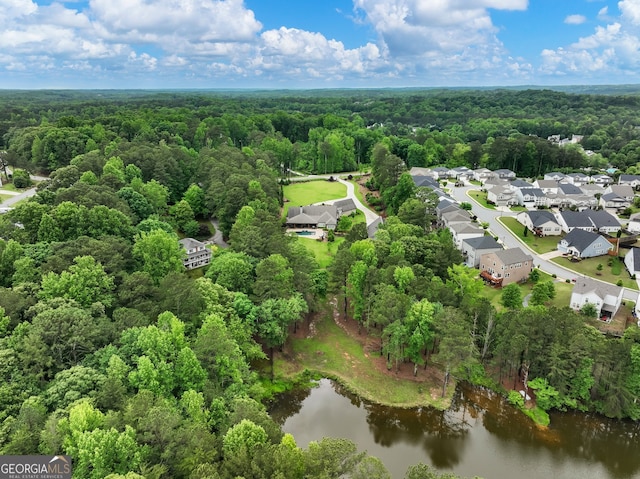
[510,241]
[15,198]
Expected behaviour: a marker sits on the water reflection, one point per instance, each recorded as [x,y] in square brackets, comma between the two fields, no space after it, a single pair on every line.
[480,434]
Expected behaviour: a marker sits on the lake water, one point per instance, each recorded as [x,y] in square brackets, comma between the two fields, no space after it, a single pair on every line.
[481,434]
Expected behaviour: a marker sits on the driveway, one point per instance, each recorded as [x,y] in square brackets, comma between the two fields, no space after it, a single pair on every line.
[510,241]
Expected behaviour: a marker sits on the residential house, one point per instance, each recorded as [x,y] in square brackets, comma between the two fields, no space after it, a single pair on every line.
[372,228]
[198,255]
[605,297]
[569,189]
[421,171]
[570,220]
[460,173]
[345,207]
[547,186]
[603,221]
[505,174]
[506,266]
[540,223]
[519,184]
[555,176]
[454,217]
[424,180]
[463,231]
[482,174]
[634,224]
[584,244]
[501,196]
[614,201]
[441,172]
[446,206]
[577,179]
[632,261]
[602,180]
[473,248]
[631,180]
[313,216]
[494,181]
[531,197]
[591,189]
[624,191]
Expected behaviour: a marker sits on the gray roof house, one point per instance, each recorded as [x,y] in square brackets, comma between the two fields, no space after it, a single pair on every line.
[605,297]
[505,174]
[602,179]
[518,183]
[313,216]
[541,223]
[632,180]
[632,261]
[198,255]
[603,221]
[345,206]
[453,217]
[554,175]
[621,190]
[372,228]
[584,244]
[531,197]
[577,179]
[634,223]
[569,189]
[463,231]
[548,186]
[426,181]
[473,248]
[505,266]
[570,220]
[614,201]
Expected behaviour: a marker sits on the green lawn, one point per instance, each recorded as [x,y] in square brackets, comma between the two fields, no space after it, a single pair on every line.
[310,192]
[518,208]
[537,244]
[8,187]
[562,299]
[5,197]
[480,197]
[358,193]
[589,267]
[322,250]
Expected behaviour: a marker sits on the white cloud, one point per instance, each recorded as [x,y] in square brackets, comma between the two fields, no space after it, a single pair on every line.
[575,19]
[630,11]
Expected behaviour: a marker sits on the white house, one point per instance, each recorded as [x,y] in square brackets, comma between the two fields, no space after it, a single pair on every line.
[570,220]
[501,196]
[624,191]
[632,180]
[454,217]
[634,223]
[632,261]
[473,248]
[197,254]
[531,197]
[482,174]
[602,180]
[555,176]
[541,223]
[547,186]
[605,297]
[463,231]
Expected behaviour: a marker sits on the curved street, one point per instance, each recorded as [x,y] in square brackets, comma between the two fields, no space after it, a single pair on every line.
[510,241]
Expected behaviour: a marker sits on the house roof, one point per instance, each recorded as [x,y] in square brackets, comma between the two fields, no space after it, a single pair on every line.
[501,190]
[518,183]
[504,171]
[190,243]
[613,197]
[629,178]
[312,214]
[445,203]
[537,192]
[634,217]
[512,255]
[547,184]
[569,189]
[622,190]
[464,228]
[555,173]
[601,177]
[601,218]
[457,214]
[482,242]
[419,171]
[345,204]
[581,239]
[636,259]
[578,175]
[425,181]
[538,218]
[585,285]
[372,228]
[576,219]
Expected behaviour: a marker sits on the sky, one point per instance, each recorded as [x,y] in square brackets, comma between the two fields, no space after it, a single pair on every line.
[308,44]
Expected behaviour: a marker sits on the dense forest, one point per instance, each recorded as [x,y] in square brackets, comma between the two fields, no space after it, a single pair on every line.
[114,354]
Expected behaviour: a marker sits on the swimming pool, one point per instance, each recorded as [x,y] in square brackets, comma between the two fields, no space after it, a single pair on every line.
[305,233]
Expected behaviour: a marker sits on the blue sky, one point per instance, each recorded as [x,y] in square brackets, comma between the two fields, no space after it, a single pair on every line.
[317,43]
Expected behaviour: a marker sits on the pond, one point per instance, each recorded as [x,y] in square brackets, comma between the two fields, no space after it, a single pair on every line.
[481,434]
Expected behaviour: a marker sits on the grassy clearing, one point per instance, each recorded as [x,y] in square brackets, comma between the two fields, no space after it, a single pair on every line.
[323,251]
[334,354]
[357,192]
[536,243]
[310,192]
[481,197]
[562,299]
[518,208]
[5,197]
[589,267]
[9,187]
